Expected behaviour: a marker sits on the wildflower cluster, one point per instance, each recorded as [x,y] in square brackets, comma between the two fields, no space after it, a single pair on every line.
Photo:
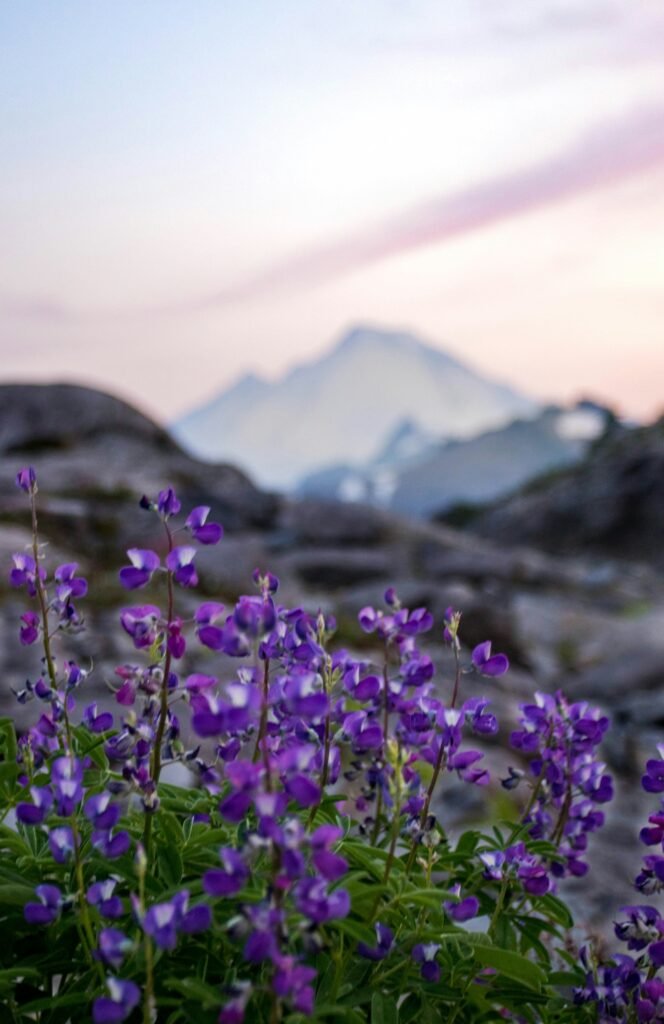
[305,872]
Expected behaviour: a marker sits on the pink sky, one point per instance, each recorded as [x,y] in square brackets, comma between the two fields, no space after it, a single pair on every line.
[187,199]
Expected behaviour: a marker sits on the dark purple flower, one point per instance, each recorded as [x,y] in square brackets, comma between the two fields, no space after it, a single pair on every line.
[425,955]
[25,573]
[312,899]
[208,633]
[142,624]
[48,908]
[34,813]
[122,997]
[167,503]
[384,944]
[29,631]
[489,664]
[111,845]
[102,896]
[292,980]
[204,532]
[653,780]
[463,910]
[97,723]
[229,879]
[101,811]
[143,565]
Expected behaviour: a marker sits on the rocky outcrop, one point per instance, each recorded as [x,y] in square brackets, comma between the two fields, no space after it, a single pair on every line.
[612,504]
[94,454]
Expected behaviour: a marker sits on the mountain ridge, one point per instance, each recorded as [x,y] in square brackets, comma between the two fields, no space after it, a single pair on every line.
[344,405]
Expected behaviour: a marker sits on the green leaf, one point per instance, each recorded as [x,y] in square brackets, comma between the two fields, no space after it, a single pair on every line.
[15,895]
[193,988]
[169,863]
[555,909]
[383,1009]
[512,965]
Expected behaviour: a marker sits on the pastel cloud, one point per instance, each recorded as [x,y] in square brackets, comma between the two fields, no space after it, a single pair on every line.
[607,155]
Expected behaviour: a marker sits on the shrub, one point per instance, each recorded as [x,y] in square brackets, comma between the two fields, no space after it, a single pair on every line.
[305,874]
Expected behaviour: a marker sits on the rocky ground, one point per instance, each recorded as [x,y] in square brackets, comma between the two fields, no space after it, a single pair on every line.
[592,625]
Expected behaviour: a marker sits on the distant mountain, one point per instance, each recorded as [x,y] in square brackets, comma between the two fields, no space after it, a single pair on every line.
[424,478]
[343,407]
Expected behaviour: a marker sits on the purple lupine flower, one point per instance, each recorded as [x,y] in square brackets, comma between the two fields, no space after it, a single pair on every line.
[34,813]
[102,896]
[180,561]
[328,864]
[461,910]
[204,532]
[48,909]
[25,573]
[26,480]
[29,631]
[641,927]
[142,624]
[69,585]
[143,565]
[100,810]
[489,664]
[312,899]
[113,947]
[97,723]
[111,845]
[653,780]
[234,1010]
[122,997]
[167,503]
[292,980]
[265,581]
[61,843]
[653,835]
[302,695]
[229,879]
[425,954]
[67,781]
[163,921]
[384,943]
[208,633]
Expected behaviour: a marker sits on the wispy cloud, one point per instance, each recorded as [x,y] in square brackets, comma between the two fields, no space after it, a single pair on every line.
[607,155]
[627,147]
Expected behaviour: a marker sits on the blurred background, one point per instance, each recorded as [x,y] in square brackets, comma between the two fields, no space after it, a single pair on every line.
[383,284]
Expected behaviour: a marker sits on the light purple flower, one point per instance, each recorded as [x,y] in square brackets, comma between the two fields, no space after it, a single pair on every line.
[180,561]
[26,480]
[143,565]
[204,532]
[489,664]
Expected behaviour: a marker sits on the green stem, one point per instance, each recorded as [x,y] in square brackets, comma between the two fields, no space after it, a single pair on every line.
[499,907]
[155,768]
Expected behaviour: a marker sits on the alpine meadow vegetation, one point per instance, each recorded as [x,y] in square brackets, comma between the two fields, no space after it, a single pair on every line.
[306,873]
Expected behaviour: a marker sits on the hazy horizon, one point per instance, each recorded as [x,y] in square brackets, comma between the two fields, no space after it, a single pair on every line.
[190,194]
